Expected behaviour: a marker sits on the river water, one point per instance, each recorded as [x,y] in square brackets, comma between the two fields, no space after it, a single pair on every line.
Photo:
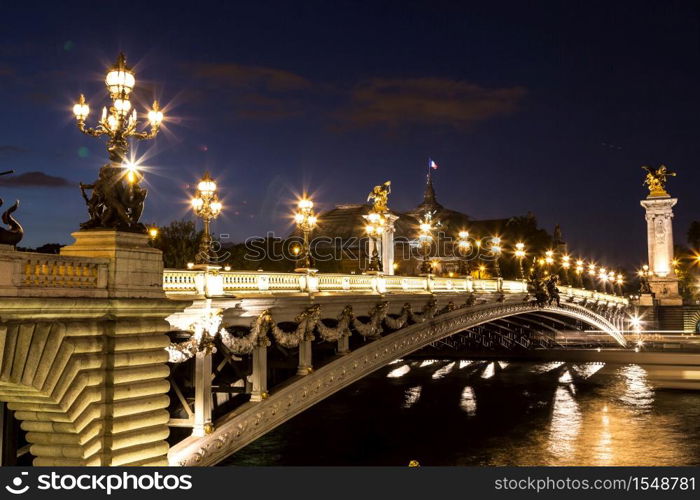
[446,412]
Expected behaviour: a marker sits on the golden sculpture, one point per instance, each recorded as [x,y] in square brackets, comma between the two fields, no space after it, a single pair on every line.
[380,197]
[655,180]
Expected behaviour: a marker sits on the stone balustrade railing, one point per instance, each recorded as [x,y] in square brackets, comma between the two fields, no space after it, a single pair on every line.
[222,283]
[29,274]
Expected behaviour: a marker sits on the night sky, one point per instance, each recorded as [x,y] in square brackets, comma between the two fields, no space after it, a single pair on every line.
[549,107]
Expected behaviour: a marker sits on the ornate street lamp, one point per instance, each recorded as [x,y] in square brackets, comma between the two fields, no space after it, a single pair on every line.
[464,247]
[565,266]
[603,277]
[591,275]
[426,227]
[117,199]
[549,259]
[644,274]
[206,206]
[520,255]
[497,250]
[375,229]
[305,220]
[579,273]
[619,282]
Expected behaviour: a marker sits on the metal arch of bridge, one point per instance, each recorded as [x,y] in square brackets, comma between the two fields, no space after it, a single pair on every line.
[254,419]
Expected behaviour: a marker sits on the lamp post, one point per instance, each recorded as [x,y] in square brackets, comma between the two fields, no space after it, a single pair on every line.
[619,282]
[478,244]
[464,247]
[114,203]
[425,240]
[565,266]
[375,229]
[612,279]
[497,250]
[549,260]
[603,277]
[520,255]
[591,275]
[644,274]
[206,206]
[305,220]
[579,273]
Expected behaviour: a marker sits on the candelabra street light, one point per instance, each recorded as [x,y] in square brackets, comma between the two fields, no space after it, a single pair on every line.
[565,266]
[619,282]
[612,279]
[497,250]
[464,247]
[206,206]
[117,199]
[644,274]
[305,220]
[426,227]
[520,255]
[603,277]
[549,260]
[375,228]
[591,275]
[579,273]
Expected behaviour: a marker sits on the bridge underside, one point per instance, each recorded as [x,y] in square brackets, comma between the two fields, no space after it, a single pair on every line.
[521,323]
[537,330]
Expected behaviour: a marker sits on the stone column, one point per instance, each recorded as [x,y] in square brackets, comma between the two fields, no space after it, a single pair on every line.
[343,345]
[662,280]
[202,394]
[387,246]
[259,375]
[305,366]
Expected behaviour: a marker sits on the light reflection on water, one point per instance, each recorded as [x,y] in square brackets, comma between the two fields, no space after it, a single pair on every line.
[565,425]
[412,396]
[529,414]
[468,401]
[442,372]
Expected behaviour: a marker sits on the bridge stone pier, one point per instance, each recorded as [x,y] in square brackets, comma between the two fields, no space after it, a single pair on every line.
[82,359]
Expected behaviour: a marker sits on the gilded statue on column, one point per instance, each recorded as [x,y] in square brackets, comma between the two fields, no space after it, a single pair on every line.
[655,180]
[380,197]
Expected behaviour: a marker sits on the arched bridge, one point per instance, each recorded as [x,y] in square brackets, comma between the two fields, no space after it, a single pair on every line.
[341,327]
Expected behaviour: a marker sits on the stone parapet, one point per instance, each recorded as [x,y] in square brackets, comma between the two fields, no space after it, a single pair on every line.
[31,274]
[135,269]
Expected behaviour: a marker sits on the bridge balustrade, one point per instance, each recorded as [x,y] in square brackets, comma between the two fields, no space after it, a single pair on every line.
[31,274]
[193,282]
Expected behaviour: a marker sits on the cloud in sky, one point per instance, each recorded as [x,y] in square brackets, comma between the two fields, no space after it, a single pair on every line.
[8,150]
[259,77]
[252,92]
[34,179]
[392,102]
[257,92]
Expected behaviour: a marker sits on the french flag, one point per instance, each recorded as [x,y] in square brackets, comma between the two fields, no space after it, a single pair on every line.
[432,164]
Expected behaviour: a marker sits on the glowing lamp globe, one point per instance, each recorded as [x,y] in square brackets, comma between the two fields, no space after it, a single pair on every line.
[81,109]
[306,204]
[120,79]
